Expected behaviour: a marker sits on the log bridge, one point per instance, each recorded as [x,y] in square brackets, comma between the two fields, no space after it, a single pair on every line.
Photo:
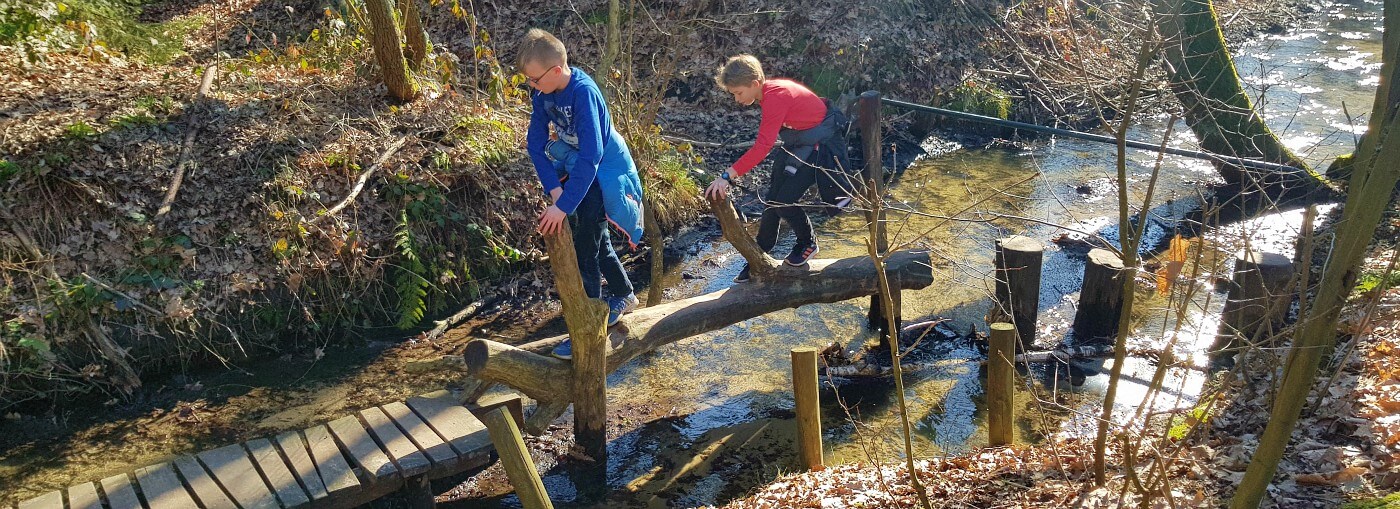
[530,370]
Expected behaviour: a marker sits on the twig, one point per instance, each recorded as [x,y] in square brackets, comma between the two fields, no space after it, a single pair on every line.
[196,107]
[711,144]
[457,318]
[133,300]
[360,182]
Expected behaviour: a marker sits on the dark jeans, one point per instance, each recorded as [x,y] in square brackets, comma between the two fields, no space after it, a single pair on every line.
[816,155]
[596,257]
[784,192]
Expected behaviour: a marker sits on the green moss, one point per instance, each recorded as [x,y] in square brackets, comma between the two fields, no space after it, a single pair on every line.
[1391,501]
[1340,169]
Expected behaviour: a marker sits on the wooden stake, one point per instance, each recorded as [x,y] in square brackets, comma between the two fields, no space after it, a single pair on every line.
[1100,299]
[586,320]
[869,124]
[520,468]
[809,419]
[1018,262]
[1001,382]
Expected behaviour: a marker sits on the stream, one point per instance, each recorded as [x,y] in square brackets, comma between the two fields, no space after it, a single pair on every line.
[728,423]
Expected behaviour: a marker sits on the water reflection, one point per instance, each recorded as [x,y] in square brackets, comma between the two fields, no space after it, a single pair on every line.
[731,386]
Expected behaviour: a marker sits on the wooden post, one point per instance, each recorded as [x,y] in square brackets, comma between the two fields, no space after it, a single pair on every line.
[1100,299]
[586,320]
[870,138]
[1258,300]
[418,493]
[520,468]
[809,419]
[1018,261]
[1001,382]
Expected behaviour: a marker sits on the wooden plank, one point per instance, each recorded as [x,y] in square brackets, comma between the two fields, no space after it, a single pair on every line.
[410,459]
[236,473]
[454,423]
[84,496]
[205,488]
[427,440]
[294,449]
[162,488]
[120,494]
[50,500]
[512,403]
[355,440]
[275,470]
[330,464]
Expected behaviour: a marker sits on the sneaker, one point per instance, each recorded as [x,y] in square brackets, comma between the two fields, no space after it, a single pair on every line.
[801,253]
[743,276]
[565,350]
[618,306]
[841,202]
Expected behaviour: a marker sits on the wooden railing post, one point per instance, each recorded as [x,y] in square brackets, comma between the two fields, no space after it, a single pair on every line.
[586,320]
[1100,299]
[520,468]
[1018,261]
[1001,381]
[809,419]
[869,124]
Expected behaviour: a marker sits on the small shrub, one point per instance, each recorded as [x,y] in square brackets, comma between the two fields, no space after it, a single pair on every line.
[1372,280]
[980,98]
[79,130]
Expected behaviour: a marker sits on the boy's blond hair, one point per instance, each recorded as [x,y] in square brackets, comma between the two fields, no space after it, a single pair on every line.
[542,47]
[739,70]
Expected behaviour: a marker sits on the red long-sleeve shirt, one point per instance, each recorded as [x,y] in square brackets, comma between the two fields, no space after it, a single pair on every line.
[784,103]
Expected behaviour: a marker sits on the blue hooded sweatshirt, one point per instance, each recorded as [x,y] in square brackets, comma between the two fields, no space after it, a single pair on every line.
[581,120]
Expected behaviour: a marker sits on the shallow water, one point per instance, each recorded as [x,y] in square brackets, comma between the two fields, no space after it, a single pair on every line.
[732,386]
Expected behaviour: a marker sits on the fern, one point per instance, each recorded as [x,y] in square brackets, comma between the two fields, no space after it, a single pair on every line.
[412,287]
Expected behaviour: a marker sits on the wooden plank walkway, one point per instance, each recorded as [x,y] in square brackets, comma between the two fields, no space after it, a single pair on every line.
[345,463]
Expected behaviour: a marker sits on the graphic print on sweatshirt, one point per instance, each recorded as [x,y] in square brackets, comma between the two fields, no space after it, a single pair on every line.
[563,119]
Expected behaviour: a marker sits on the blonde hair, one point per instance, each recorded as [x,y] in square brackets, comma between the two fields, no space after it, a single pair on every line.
[542,47]
[739,70]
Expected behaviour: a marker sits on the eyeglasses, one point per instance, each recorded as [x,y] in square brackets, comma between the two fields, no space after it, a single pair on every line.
[536,80]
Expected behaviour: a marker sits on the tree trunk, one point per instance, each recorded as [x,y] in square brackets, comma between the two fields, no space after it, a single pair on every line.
[1204,79]
[1377,170]
[385,38]
[413,30]
[613,46]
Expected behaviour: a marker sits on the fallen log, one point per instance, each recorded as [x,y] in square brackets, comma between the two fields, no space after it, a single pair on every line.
[544,378]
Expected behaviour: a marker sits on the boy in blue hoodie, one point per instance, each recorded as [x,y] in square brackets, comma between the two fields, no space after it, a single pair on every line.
[591,179]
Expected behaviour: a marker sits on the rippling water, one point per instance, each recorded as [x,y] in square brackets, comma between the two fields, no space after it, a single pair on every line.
[732,386]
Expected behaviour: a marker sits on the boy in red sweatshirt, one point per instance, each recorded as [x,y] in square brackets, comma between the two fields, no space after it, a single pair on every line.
[805,123]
